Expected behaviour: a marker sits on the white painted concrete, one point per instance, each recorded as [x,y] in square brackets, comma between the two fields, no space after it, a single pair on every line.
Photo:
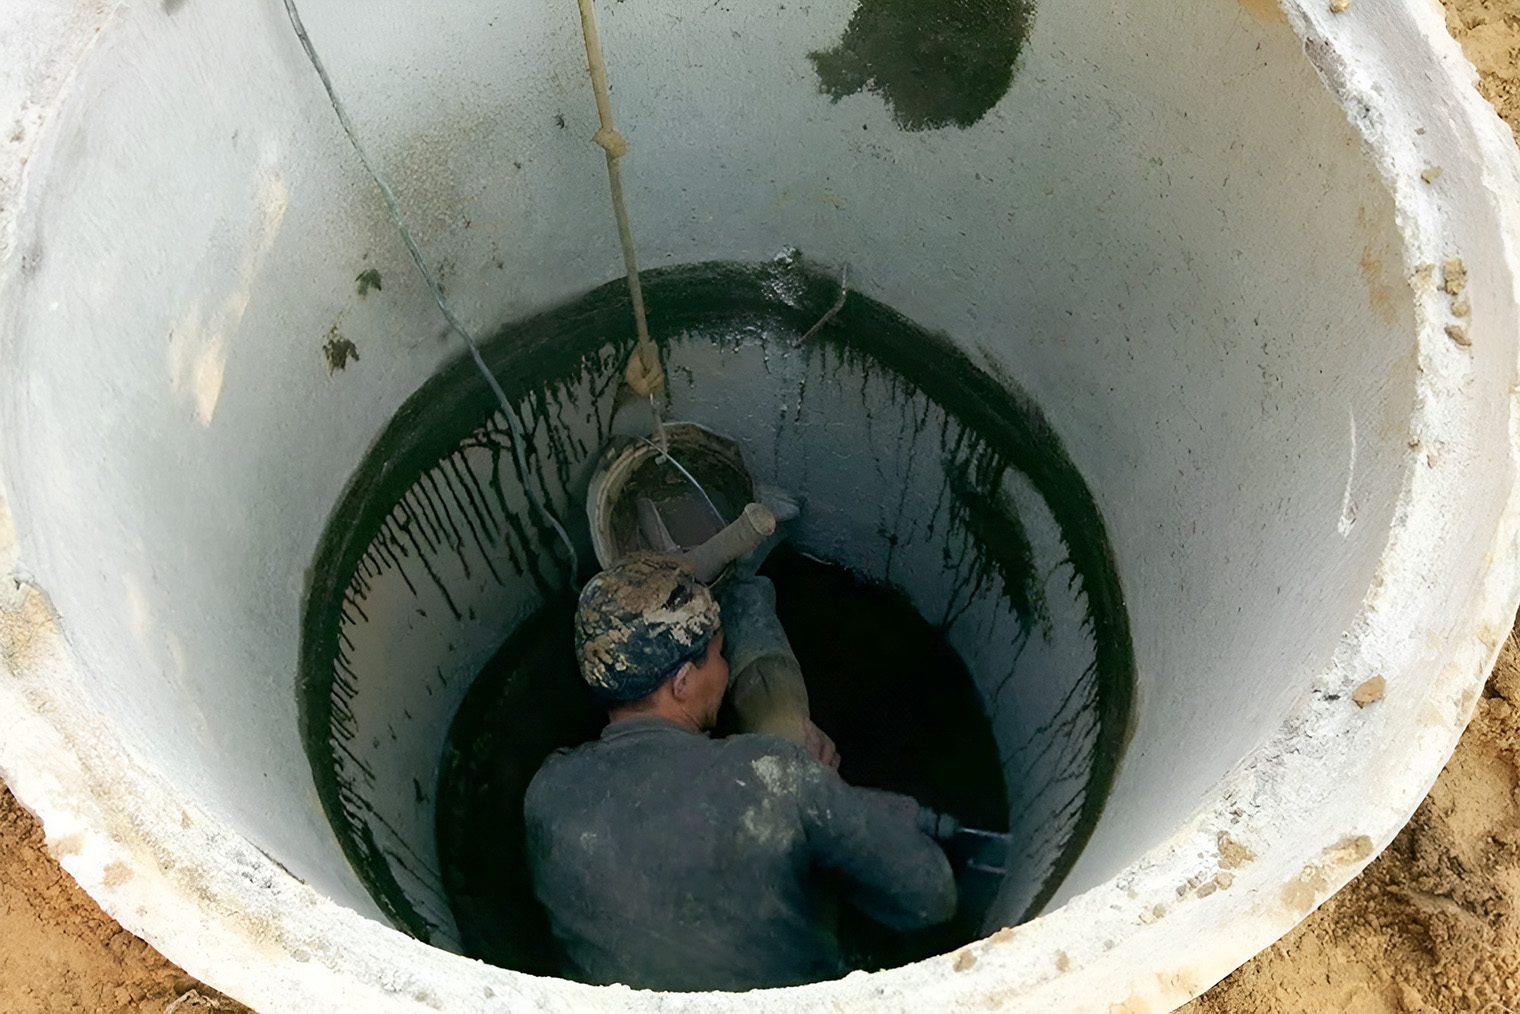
[1199,236]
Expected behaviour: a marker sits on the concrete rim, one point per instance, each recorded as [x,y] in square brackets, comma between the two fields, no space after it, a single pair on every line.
[235,918]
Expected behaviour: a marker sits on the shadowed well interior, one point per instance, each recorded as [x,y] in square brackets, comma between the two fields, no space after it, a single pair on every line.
[893,695]
[956,522]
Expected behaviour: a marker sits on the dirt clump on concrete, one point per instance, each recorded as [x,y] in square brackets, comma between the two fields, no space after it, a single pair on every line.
[60,954]
[1432,925]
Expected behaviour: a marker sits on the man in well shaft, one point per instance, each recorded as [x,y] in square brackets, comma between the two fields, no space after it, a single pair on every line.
[667,859]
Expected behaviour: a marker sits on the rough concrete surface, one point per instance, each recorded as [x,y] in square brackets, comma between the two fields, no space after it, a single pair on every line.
[1431,926]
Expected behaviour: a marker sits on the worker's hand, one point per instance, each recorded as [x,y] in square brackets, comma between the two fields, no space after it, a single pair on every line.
[893,804]
[820,745]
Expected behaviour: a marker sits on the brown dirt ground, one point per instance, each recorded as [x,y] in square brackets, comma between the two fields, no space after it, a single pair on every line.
[1432,926]
[60,954]
[1489,31]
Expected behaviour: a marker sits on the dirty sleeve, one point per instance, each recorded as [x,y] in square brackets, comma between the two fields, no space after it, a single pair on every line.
[895,873]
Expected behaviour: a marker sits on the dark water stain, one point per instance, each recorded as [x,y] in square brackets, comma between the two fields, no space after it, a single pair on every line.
[882,682]
[366,280]
[417,495]
[937,63]
[338,350]
[374,529]
[982,509]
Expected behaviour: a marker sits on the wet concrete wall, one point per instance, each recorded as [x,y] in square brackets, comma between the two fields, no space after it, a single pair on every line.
[948,486]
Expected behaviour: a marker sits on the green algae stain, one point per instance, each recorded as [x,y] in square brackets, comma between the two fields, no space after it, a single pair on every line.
[367,280]
[338,350]
[937,63]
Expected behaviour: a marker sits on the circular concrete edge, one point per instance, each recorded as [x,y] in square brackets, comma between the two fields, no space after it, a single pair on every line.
[1307,810]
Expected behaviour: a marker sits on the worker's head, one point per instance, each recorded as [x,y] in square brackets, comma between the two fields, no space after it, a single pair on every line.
[647,623]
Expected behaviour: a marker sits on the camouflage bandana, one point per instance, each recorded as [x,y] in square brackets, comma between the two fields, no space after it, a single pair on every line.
[639,620]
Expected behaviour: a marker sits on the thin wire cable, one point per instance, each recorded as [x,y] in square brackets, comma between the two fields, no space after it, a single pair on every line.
[394,208]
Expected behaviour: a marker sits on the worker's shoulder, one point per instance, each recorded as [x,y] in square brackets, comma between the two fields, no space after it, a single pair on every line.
[565,765]
[760,744]
[781,764]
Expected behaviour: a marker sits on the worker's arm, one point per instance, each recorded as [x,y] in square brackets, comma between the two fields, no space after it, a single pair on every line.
[897,874]
[766,684]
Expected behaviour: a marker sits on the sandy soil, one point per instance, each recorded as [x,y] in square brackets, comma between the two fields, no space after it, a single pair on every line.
[1432,926]
[60,954]
[1489,31]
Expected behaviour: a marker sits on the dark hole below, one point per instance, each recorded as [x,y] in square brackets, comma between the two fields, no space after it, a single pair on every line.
[882,681]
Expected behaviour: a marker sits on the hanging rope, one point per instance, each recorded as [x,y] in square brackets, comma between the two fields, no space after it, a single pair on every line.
[432,284]
[644,373]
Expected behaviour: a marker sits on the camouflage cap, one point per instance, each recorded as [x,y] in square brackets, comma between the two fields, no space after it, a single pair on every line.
[637,621]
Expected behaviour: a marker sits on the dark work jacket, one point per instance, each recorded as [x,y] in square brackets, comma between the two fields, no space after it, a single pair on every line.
[668,860]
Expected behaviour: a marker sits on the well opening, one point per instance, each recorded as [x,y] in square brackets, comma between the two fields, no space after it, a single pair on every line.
[1221,279]
[933,494]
